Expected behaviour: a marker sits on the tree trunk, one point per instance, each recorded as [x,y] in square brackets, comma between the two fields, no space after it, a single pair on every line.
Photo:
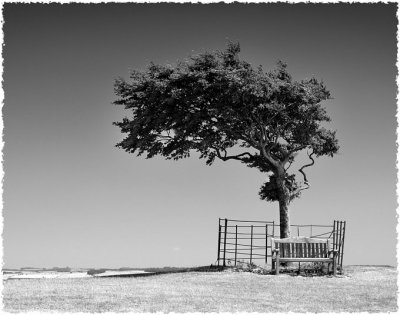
[284,199]
[284,218]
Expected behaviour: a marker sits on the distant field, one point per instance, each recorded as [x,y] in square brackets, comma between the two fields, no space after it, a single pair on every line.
[360,289]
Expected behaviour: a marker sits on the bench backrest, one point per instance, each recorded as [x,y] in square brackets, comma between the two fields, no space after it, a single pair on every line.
[301,247]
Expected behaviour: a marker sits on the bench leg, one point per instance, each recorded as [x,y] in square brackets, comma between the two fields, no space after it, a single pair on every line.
[277,265]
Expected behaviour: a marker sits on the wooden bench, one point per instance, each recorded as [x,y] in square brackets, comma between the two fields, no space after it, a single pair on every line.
[302,249]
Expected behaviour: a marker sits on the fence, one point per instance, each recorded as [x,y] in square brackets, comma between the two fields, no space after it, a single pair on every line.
[249,241]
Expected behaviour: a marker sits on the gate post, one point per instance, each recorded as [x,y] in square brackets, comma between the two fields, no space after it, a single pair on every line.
[251,245]
[219,240]
[235,244]
[341,250]
[334,235]
[266,243]
[226,225]
[340,241]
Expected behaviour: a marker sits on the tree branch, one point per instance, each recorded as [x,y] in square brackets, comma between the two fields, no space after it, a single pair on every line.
[231,157]
[307,165]
[290,163]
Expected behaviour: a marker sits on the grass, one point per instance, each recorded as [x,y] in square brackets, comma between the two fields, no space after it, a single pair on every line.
[359,289]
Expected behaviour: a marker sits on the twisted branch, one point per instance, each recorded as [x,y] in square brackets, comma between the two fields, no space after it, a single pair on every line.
[226,157]
[304,166]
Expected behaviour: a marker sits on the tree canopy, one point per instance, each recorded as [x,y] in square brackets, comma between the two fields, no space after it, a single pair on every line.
[218,105]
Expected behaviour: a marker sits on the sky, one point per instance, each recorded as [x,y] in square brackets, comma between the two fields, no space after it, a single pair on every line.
[71,198]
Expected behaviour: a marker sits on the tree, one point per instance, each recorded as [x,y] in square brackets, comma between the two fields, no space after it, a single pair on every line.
[221,107]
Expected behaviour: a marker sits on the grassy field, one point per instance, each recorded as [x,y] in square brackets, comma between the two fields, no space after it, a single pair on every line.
[359,289]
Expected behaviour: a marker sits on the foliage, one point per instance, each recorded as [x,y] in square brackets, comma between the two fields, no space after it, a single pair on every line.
[307,269]
[221,107]
[242,266]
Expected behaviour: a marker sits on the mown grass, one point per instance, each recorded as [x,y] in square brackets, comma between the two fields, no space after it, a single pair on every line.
[360,289]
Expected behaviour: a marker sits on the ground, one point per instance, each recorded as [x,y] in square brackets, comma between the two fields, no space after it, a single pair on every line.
[359,289]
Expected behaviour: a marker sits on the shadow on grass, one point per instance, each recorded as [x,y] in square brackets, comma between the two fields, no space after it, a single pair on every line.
[164,270]
[293,269]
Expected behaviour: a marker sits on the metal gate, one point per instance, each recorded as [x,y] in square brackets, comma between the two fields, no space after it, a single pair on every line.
[249,241]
